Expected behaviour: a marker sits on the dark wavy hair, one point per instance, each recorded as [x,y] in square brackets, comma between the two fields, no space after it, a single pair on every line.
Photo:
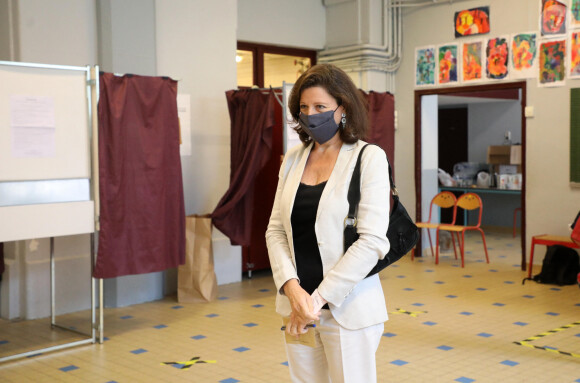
[339,85]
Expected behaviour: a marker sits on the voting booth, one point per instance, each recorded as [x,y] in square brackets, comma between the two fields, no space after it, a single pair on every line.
[48,172]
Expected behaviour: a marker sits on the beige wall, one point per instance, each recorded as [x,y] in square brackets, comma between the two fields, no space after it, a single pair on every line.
[551,202]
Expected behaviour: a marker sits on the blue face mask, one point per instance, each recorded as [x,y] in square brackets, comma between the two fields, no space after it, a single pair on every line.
[321,126]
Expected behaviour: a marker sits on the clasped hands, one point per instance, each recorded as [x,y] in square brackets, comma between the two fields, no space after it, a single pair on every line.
[305,307]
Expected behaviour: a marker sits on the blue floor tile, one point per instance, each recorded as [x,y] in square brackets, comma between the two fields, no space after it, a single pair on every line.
[485,335]
[552,314]
[241,349]
[285,363]
[451,296]
[138,351]
[223,298]
[69,368]
[528,296]
[250,324]
[445,348]
[212,315]
[198,337]
[3,342]
[177,307]
[160,326]
[127,317]
[429,323]
[399,362]
[229,380]
[418,304]
[258,306]
[264,290]
[390,335]
[509,363]
[520,323]
[467,313]
[463,379]
[499,304]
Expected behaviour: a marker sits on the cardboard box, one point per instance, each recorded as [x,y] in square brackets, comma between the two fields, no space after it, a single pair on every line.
[504,155]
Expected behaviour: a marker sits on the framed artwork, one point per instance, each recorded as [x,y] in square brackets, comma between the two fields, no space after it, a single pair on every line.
[472,61]
[574,14]
[473,21]
[552,17]
[552,64]
[448,66]
[496,58]
[524,55]
[574,55]
[425,65]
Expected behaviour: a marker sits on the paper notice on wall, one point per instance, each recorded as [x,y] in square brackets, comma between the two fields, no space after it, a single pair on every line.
[32,119]
[184,114]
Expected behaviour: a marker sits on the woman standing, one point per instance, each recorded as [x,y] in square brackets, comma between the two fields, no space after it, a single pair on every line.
[317,281]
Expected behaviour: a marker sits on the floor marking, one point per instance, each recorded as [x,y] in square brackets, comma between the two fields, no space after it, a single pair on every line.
[188,363]
[411,313]
[526,342]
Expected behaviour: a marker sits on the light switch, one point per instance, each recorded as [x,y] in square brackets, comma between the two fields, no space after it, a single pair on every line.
[529,111]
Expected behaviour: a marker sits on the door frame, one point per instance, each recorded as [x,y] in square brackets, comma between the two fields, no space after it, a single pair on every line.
[474,91]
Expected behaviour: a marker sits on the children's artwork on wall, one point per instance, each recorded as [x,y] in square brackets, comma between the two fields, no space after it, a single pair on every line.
[496,58]
[524,57]
[552,67]
[552,17]
[425,66]
[472,22]
[574,15]
[447,60]
[472,68]
[574,55]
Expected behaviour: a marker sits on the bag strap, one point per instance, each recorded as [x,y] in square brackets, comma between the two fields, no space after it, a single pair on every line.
[353,195]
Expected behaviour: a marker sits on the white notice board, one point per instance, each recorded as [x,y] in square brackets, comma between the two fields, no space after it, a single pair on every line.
[44,126]
[45,145]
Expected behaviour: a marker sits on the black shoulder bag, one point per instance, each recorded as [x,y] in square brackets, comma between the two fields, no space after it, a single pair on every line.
[402,232]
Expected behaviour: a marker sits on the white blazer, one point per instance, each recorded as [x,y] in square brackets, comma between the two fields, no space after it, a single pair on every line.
[355,301]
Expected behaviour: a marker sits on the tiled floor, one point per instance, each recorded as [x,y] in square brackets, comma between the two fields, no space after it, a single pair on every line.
[447,324]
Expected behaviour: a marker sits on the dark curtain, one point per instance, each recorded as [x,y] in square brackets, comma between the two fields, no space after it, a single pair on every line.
[252,121]
[142,213]
[1,260]
[382,120]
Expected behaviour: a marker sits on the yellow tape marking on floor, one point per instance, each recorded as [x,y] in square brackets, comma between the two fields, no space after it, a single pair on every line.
[526,342]
[188,363]
[411,313]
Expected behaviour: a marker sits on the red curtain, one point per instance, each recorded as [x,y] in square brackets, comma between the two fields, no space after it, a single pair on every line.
[382,120]
[1,260]
[252,121]
[142,213]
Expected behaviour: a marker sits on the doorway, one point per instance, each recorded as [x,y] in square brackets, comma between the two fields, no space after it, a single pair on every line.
[423,100]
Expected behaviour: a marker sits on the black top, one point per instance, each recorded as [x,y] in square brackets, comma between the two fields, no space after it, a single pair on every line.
[308,261]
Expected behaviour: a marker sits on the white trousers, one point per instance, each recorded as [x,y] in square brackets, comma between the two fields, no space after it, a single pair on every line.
[340,355]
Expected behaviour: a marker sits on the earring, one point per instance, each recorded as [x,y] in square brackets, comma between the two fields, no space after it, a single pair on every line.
[343,120]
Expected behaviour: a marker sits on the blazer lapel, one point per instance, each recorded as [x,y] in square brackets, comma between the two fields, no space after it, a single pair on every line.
[293,182]
[339,173]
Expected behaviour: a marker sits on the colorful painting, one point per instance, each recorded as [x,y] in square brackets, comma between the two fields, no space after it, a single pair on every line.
[524,57]
[472,22]
[472,61]
[497,58]
[574,55]
[574,18]
[552,64]
[425,66]
[447,59]
[553,17]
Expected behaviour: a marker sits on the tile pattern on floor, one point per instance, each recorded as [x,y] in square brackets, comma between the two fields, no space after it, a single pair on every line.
[447,324]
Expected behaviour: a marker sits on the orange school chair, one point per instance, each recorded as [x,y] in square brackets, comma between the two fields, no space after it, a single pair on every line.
[445,200]
[467,201]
